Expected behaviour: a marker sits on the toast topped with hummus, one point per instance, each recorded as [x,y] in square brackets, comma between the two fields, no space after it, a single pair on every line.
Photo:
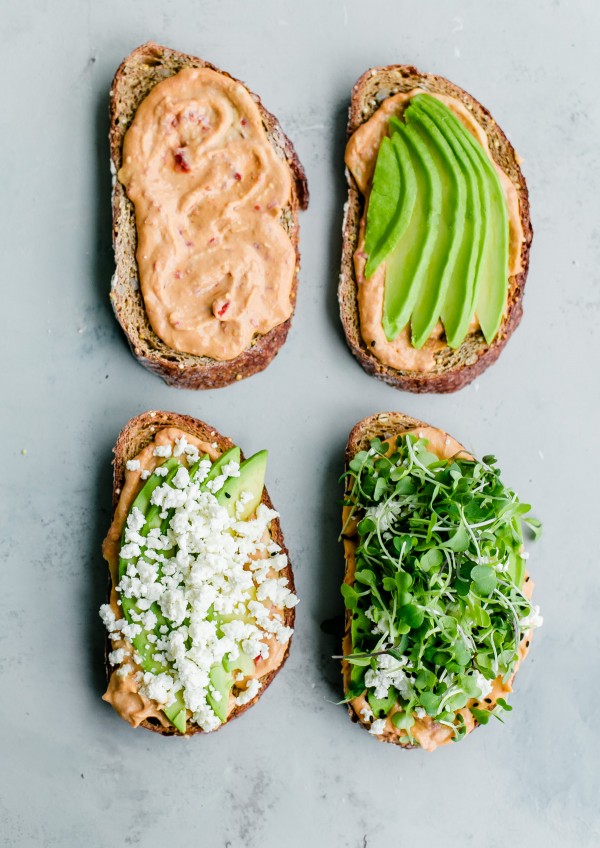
[206,194]
[201,600]
[438,600]
[436,234]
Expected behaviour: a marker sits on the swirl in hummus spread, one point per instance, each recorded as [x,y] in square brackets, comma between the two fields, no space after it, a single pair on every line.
[216,265]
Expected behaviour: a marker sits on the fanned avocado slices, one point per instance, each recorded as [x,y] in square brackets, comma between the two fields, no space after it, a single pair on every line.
[438,217]
[251,480]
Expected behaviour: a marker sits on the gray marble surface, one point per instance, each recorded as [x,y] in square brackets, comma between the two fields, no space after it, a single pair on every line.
[293,770]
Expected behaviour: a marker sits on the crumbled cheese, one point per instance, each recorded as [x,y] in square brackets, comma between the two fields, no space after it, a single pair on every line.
[231,469]
[378,726]
[163,450]
[161,471]
[117,656]
[420,712]
[145,474]
[388,673]
[483,684]
[367,714]
[247,694]
[534,619]
[124,670]
[216,483]
[180,446]
[133,464]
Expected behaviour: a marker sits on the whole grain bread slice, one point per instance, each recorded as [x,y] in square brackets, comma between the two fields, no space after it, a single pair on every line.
[135,435]
[139,72]
[384,425]
[454,368]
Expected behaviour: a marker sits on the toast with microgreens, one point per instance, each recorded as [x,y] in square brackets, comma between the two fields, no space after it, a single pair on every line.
[201,602]
[206,194]
[438,601]
[436,233]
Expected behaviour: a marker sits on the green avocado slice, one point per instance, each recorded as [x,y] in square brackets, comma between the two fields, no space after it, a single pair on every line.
[391,201]
[407,264]
[222,682]
[251,480]
[427,308]
[488,296]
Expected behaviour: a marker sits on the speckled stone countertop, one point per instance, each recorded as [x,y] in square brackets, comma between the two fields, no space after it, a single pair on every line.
[293,771]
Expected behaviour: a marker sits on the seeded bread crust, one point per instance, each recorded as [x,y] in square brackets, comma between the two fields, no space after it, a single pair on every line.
[454,368]
[136,434]
[136,77]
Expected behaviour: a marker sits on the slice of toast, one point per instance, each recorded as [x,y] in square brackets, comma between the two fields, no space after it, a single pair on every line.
[453,368]
[384,425]
[137,75]
[136,434]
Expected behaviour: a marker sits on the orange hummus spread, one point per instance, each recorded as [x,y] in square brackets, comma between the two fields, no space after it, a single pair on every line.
[361,156]
[215,263]
[428,733]
[123,689]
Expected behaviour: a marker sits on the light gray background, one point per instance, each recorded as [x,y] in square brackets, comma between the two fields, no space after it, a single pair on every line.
[294,770]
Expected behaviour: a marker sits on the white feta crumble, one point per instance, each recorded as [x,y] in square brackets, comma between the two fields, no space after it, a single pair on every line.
[161,471]
[534,619]
[163,450]
[133,465]
[367,714]
[124,670]
[117,656]
[231,469]
[247,694]
[483,684]
[216,484]
[180,446]
[145,474]
[378,727]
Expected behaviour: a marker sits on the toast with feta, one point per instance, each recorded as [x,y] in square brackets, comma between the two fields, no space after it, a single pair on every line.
[205,291]
[201,602]
[428,169]
[438,601]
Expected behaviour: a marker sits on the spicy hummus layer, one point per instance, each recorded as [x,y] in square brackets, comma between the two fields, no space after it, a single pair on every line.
[216,265]
[447,259]
[200,608]
[423,649]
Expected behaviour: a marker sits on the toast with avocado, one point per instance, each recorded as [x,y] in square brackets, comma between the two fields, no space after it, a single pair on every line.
[438,600]
[436,232]
[200,609]
[206,194]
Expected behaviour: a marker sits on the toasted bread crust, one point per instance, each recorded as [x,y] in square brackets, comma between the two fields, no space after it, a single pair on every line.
[137,75]
[134,436]
[454,368]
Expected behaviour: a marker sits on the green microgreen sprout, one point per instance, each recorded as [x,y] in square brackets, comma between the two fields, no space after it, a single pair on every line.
[437,609]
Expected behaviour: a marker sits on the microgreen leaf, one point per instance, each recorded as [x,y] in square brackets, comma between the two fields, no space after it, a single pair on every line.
[484,578]
[350,596]
[431,559]
[535,526]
